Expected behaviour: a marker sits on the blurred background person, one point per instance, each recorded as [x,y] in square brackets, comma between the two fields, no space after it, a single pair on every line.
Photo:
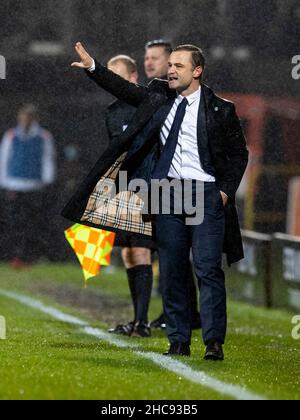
[27,169]
[156,63]
[136,251]
[156,58]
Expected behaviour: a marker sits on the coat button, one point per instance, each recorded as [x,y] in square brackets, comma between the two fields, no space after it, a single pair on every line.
[216,108]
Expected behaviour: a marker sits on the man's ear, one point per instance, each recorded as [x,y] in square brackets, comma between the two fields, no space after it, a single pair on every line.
[198,72]
[134,77]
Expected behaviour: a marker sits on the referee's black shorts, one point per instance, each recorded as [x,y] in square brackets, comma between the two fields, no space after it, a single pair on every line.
[131,240]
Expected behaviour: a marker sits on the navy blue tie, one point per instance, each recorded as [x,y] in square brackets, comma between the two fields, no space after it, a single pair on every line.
[162,168]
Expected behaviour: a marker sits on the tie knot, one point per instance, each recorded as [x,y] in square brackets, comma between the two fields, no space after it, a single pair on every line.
[184,102]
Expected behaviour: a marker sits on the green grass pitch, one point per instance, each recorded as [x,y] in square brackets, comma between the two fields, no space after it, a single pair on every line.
[43,358]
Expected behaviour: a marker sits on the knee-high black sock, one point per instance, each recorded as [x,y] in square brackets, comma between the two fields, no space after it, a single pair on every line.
[143,281]
[131,275]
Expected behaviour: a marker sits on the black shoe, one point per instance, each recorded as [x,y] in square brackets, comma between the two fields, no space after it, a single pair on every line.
[141,329]
[159,323]
[214,351]
[123,329]
[178,349]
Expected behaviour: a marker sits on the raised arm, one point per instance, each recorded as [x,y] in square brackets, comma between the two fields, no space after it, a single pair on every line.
[122,89]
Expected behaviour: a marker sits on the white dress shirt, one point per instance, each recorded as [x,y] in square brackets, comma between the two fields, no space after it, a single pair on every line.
[93,67]
[186,163]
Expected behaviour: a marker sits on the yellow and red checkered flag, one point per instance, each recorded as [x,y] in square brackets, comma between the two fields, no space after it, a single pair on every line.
[92,246]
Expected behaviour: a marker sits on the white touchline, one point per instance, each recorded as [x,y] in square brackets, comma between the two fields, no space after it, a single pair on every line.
[166,363]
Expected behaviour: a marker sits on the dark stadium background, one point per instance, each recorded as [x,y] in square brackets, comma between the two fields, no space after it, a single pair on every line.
[249,47]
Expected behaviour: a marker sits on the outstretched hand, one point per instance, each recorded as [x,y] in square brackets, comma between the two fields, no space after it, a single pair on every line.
[86,60]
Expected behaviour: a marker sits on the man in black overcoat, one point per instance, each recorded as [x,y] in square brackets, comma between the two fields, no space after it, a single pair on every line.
[181,131]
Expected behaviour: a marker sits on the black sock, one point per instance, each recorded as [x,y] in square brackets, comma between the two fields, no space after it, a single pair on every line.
[131,275]
[143,282]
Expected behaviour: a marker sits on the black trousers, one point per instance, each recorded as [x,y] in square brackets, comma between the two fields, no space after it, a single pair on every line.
[175,240]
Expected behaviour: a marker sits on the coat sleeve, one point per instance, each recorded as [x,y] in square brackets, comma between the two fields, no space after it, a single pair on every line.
[126,91]
[5,149]
[237,155]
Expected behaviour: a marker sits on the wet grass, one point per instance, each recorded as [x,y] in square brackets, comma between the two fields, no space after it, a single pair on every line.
[46,359]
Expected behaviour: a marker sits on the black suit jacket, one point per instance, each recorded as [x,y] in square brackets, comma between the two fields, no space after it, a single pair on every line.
[118,115]
[226,142]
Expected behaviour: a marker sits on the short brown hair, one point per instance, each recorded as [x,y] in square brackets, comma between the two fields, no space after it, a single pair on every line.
[160,43]
[198,58]
[29,109]
[129,62]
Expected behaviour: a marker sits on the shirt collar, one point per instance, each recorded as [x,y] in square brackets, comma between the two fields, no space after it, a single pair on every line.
[32,132]
[191,98]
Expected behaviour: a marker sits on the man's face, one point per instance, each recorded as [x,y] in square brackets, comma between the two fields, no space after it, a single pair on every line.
[156,62]
[25,120]
[120,69]
[181,72]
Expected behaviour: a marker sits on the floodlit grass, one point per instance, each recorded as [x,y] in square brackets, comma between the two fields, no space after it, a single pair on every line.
[46,359]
